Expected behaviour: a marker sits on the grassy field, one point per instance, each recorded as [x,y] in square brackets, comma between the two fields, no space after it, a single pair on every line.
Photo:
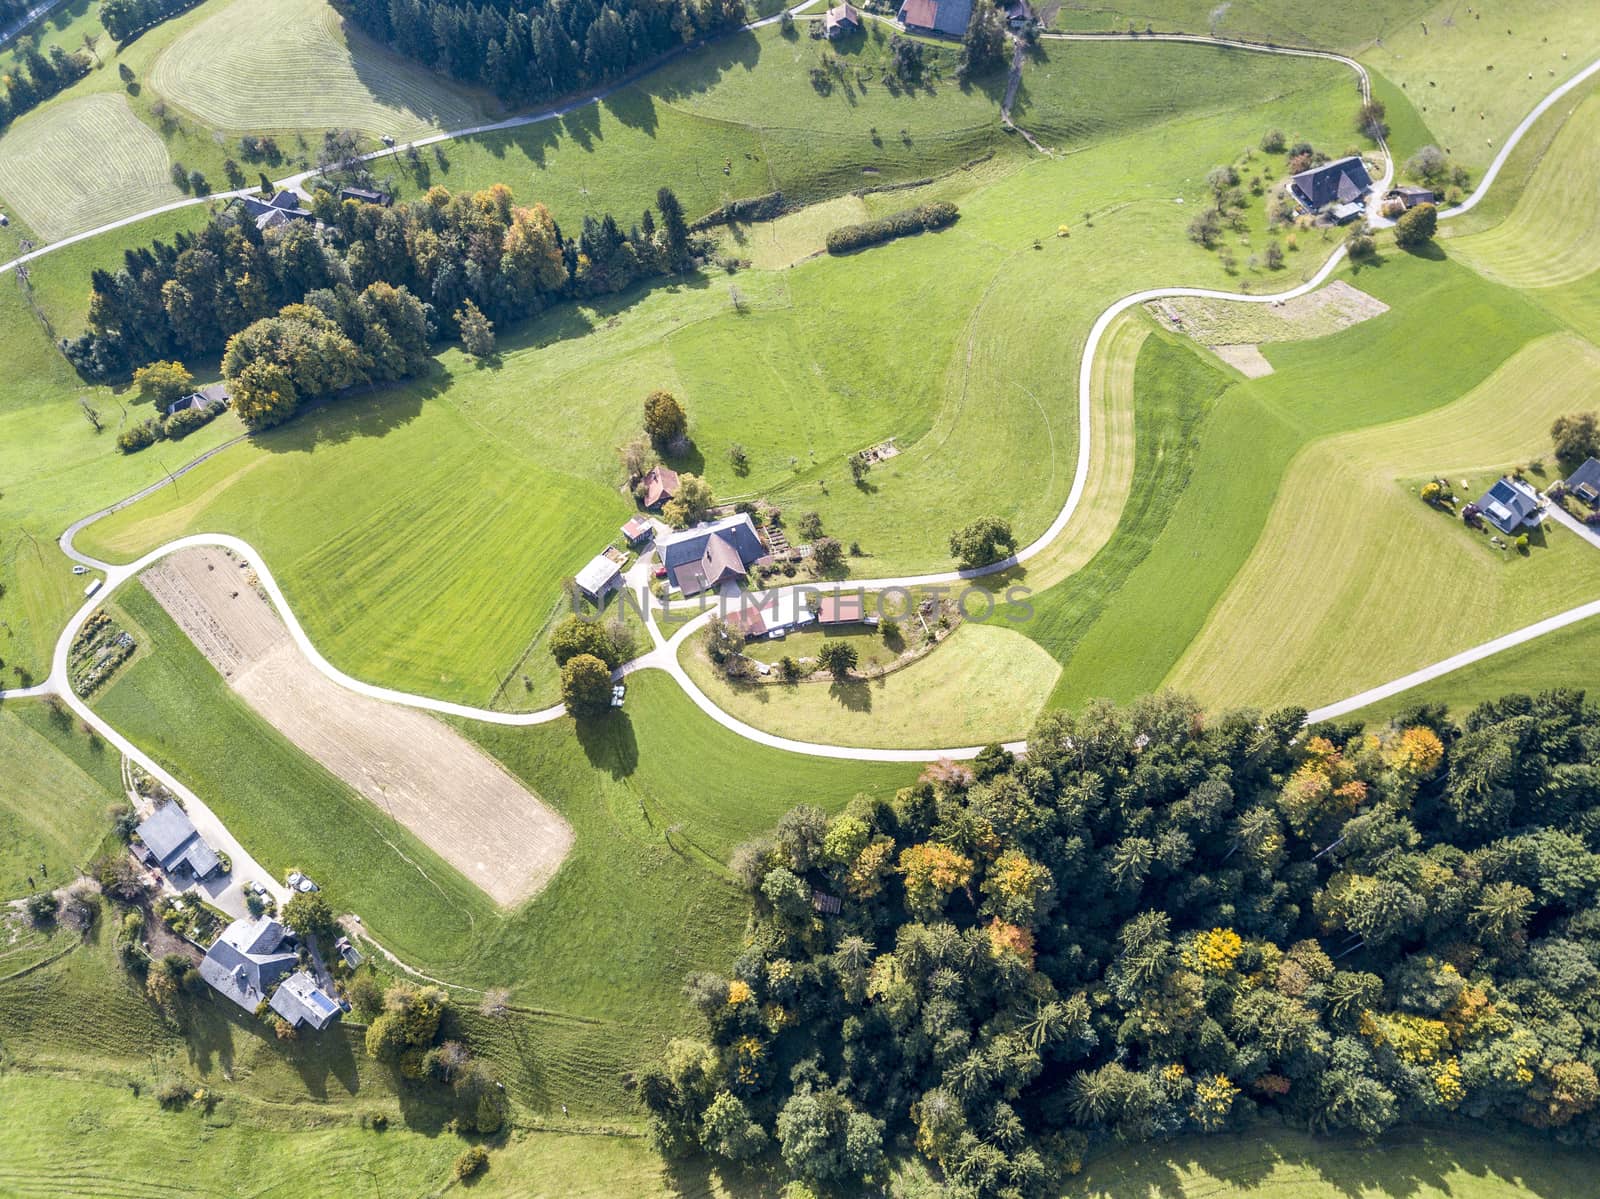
[1386,369]
[1428,1164]
[1564,658]
[58,786]
[1283,626]
[59,189]
[986,683]
[1473,75]
[1552,236]
[1348,27]
[468,449]
[293,65]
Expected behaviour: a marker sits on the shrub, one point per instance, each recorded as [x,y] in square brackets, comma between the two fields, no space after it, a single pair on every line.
[41,907]
[136,437]
[1522,543]
[173,1094]
[1273,141]
[472,1163]
[907,222]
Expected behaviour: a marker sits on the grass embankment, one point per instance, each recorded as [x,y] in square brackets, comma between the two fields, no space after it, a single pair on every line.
[984,684]
[656,795]
[1348,537]
[1552,236]
[58,784]
[1303,23]
[1398,365]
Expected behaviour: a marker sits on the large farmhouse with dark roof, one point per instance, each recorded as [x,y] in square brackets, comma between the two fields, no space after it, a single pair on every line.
[1334,187]
[707,556]
[168,839]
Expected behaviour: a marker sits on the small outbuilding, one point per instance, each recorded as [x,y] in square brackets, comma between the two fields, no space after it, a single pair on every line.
[842,608]
[599,579]
[637,531]
[1510,504]
[1410,197]
[658,487]
[841,21]
[1584,483]
[363,195]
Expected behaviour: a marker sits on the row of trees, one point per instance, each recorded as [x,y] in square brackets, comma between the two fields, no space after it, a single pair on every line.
[38,76]
[448,251]
[526,54]
[1162,923]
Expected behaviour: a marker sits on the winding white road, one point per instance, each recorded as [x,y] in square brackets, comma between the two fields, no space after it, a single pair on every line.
[664,654]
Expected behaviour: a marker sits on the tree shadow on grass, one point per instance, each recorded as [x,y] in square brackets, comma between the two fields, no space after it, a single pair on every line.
[609,743]
[854,695]
[362,412]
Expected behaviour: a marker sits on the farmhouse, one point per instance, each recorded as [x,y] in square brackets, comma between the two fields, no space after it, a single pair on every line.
[168,839]
[212,393]
[1584,483]
[658,487]
[299,1000]
[280,210]
[949,17]
[247,959]
[1337,188]
[1510,504]
[841,21]
[707,556]
[599,578]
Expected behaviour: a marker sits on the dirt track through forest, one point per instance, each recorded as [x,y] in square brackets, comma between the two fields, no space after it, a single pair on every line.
[455,798]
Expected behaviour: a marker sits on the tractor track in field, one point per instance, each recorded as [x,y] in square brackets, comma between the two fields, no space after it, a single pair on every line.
[663,655]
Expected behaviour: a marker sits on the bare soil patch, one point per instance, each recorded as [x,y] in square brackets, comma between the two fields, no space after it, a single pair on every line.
[455,798]
[1216,323]
[1247,359]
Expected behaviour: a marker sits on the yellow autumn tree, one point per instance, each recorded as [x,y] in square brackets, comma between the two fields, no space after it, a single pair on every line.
[1415,753]
[931,873]
[1213,953]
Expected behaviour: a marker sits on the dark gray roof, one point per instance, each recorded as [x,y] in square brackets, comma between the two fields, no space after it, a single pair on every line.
[1509,504]
[171,838]
[1585,481]
[245,961]
[1340,182]
[688,549]
[166,831]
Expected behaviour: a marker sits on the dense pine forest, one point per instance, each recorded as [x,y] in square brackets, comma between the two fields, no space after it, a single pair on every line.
[529,53]
[1159,923]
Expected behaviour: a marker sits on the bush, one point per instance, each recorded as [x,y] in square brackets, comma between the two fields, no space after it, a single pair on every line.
[136,437]
[1273,141]
[472,1163]
[41,907]
[909,221]
[174,1094]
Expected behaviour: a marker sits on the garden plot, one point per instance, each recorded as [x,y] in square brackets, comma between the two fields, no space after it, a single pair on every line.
[451,795]
[61,189]
[1234,330]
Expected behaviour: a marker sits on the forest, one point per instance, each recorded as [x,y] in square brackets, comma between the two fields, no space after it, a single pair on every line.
[527,54]
[307,294]
[1157,923]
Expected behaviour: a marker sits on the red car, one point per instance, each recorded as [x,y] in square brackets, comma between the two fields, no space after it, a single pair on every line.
[661,570]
